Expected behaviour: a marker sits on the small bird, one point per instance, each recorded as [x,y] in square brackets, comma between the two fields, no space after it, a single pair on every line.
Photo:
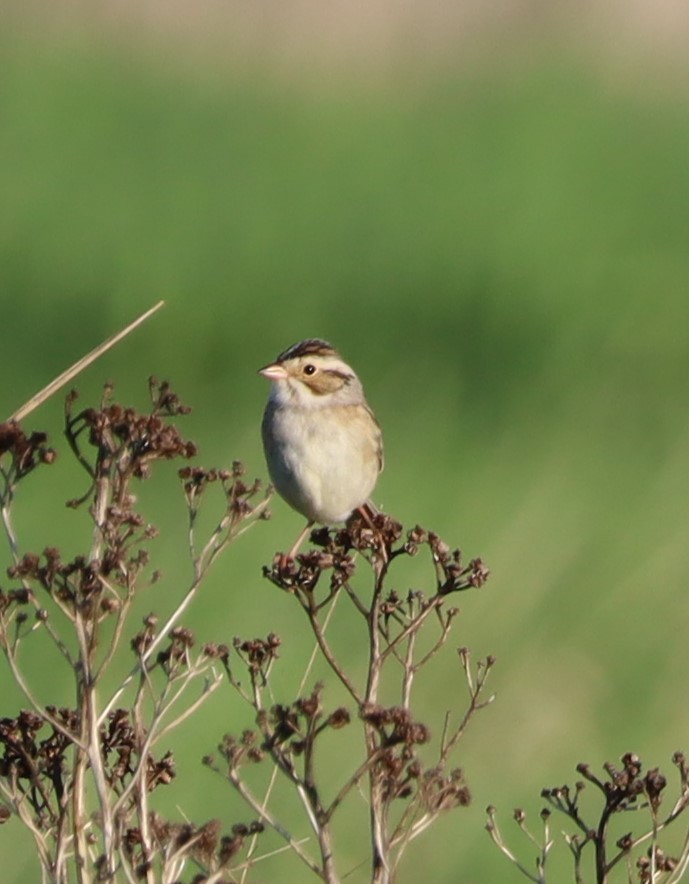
[322,442]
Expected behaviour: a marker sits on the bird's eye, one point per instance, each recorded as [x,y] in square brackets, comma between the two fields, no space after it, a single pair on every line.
[309,369]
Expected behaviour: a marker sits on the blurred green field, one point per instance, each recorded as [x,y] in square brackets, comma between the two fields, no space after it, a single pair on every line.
[502,253]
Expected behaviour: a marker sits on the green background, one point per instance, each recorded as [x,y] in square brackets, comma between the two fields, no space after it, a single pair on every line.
[500,246]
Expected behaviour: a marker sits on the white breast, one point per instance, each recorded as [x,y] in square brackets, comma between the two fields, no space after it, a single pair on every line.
[323,461]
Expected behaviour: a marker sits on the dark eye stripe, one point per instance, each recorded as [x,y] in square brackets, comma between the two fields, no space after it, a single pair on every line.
[343,375]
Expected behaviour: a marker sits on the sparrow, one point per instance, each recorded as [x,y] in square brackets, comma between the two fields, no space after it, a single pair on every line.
[322,443]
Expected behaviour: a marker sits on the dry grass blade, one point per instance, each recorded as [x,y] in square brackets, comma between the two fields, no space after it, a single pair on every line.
[66,376]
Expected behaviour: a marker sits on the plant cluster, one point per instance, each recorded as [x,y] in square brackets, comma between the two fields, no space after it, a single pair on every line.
[83,776]
[405,793]
[80,777]
[626,789]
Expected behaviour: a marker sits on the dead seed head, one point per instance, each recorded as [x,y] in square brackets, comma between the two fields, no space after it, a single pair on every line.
[377,535]
[24,452]
[258,653]
[395,725]
[339,718]
[216,652]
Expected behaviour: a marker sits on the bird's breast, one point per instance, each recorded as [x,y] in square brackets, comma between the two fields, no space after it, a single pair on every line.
[324,461]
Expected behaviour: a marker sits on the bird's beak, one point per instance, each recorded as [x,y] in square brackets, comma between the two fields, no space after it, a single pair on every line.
[274,372]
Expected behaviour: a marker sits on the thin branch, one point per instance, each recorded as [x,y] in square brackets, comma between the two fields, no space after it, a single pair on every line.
[210,687]
[124,605]
[682,863]
[377,807]
[316,648]
[18,802]
[449,745]
[496,837]
[70,373]
[409,670]
[153,646]
[352,782]
[325,649]
[431,606]
[446,627]
[358,604]
[267,817]
[245,867]
[154,735]
[678,808]
[283,763]
[200,571]
[37,707]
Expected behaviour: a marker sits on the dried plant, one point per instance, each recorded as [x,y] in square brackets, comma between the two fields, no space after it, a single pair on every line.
[399,635]
[625,789]
[79,775]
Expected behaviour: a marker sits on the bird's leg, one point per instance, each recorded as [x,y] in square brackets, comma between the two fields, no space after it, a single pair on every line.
[366,512]
[298,542]
[363,511]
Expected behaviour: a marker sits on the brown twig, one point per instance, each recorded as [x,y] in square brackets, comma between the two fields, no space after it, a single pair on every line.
[79,366]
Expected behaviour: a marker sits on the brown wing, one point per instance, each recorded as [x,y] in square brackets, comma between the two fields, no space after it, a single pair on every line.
[379,439]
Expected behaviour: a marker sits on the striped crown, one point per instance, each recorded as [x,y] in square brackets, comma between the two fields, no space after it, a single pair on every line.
[309,347]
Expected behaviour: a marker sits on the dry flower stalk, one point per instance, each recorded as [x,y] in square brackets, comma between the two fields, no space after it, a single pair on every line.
[70,373]
[626,788]
[80,776]
[405,794]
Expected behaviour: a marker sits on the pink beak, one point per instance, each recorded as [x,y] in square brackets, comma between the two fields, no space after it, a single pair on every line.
[274,372]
